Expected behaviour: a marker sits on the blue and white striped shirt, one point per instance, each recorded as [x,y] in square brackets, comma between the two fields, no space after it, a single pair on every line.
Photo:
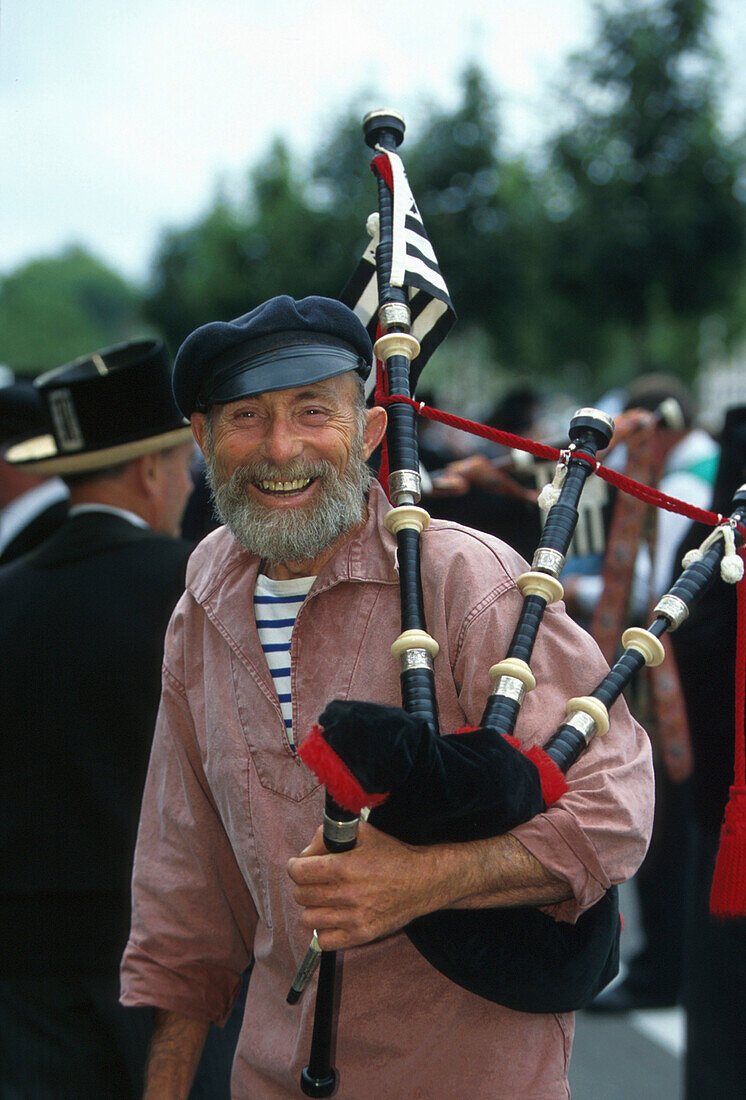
[276,606]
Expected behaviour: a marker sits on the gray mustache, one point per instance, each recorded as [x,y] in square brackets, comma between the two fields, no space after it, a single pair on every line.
[294,471]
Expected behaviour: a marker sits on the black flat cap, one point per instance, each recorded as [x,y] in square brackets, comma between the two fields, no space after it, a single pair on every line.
[281,344]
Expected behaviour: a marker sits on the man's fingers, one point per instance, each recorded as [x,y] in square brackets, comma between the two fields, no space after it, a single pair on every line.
[310,895]
[337,929]
[310,869]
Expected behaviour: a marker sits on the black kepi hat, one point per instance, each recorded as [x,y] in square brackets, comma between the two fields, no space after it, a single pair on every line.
[21,411]
[281,344]
[103,409]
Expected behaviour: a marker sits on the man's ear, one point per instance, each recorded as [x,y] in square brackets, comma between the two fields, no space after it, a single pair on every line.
[147,471]
[375,429]
[198,421]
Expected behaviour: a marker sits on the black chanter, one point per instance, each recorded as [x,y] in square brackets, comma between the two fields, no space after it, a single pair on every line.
[319,1077]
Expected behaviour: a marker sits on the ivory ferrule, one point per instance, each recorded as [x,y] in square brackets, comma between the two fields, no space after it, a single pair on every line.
[406,516]
[396,343]
[393,313]
[548,561]
[515,669]
[540,584]
[415,639]
[596,414]
[636,637]
[593,709]
[673,609]
[404,484]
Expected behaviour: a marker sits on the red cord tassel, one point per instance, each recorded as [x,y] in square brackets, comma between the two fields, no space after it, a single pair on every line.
[728,893]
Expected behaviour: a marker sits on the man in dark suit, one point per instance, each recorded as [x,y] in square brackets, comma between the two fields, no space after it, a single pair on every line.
[82,622]
[31,506]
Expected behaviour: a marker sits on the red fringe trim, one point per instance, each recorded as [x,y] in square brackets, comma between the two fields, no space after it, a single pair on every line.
[553,782]
[728,893]
[332,771]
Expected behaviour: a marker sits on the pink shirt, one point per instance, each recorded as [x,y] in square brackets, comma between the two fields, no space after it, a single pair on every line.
[227,802]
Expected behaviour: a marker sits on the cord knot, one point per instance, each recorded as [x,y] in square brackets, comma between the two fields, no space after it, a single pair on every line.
[731,566]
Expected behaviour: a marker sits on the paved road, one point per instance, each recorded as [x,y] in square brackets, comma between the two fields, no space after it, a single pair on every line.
[637,1056]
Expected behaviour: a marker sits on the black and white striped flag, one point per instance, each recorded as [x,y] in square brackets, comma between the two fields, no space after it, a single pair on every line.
[413,266]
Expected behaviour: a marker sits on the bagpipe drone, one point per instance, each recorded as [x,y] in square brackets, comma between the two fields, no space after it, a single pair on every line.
[422,787]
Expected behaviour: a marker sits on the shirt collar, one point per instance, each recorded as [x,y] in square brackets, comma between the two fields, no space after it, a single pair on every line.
[131,517]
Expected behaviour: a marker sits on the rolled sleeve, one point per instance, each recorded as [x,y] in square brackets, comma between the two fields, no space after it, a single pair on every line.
[193,918]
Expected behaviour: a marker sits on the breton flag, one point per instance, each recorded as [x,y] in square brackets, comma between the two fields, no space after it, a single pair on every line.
[413,266]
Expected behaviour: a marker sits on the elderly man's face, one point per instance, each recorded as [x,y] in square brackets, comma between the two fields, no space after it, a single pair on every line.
[288,469]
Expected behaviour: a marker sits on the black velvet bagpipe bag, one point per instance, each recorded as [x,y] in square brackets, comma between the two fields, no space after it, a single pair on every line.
[429,789]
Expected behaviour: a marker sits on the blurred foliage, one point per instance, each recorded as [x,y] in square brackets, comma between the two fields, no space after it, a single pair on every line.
[53,310]
[643,190]
[620,251]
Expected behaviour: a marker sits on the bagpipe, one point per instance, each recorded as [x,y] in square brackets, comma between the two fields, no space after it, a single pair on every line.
[421,786]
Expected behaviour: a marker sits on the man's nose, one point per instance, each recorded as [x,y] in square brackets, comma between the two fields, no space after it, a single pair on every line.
[281,443]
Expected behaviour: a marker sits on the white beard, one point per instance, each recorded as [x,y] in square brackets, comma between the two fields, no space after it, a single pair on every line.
[279,535]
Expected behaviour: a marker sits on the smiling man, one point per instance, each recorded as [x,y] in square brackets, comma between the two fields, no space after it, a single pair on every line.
[287,469]
[294,602]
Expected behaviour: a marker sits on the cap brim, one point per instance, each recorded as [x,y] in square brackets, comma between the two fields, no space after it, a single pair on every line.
[281,368]
[39,455]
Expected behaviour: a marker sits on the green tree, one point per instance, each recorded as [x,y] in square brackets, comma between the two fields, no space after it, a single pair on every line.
[301,234]
[53,310]
[282,239]
[646,232]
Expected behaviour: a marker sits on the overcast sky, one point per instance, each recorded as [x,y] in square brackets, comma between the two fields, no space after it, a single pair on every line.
[120,117]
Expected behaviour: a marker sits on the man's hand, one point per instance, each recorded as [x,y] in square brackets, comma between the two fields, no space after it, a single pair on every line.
[458,477]
[371,891]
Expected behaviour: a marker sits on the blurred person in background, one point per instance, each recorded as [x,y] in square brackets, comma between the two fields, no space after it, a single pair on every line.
[480,491]
[31,506]
[715,957]
[641,558]
[82,624]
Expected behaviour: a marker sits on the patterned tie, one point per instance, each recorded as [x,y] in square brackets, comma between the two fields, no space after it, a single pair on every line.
[632,521]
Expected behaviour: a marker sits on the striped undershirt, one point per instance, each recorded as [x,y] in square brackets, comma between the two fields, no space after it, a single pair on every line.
[276,607]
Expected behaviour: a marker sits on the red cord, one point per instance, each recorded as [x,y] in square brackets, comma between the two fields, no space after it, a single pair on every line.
[740,751]
[540,450]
